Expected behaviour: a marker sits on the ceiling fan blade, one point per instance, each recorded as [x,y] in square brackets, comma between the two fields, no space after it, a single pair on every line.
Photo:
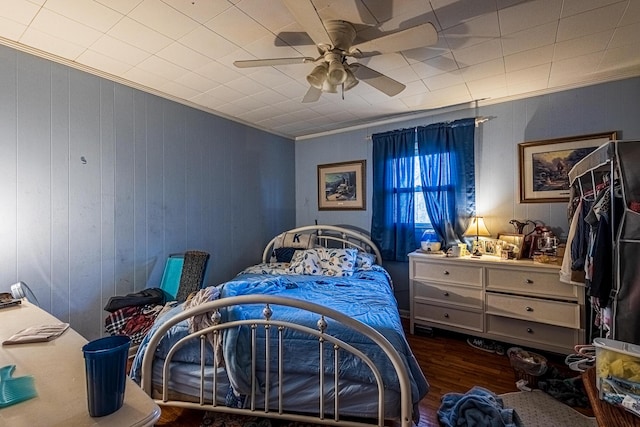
[312,95]
[293,38]
[270,62]
[307,16]
[378,80]
[411,38]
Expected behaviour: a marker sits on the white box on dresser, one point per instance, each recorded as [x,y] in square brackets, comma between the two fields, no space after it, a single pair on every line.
[514,301]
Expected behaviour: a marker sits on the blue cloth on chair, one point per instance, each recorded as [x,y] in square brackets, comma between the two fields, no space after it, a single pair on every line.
[478,407]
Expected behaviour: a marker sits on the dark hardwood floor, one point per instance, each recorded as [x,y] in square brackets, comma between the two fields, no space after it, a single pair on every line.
[449,364]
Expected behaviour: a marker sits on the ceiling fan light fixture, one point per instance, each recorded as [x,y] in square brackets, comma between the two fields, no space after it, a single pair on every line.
[351,81]
[328,87]
[337,73]
[318,76]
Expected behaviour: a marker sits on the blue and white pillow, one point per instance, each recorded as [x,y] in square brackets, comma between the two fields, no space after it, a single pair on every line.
[306,262]
[324,262]
[338,262]
[365,260]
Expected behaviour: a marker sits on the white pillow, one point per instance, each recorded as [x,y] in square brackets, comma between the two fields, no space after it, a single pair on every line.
[292,240]
[296,240]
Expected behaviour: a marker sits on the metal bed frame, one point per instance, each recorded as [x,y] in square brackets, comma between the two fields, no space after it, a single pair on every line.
[327,415]
[331,236]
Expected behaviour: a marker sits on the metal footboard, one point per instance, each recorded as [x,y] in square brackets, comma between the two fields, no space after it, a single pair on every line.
[327,416]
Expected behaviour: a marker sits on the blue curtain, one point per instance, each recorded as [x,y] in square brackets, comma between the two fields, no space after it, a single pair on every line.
[392,223]
[446,152]
[447,169]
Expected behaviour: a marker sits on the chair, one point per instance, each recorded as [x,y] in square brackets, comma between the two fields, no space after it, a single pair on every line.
[192,276]
[183,274]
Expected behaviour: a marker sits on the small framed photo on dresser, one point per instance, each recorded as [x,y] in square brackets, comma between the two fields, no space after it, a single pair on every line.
[512,243]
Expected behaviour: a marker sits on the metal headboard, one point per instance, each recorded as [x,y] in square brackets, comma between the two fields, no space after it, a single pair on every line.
[327,235]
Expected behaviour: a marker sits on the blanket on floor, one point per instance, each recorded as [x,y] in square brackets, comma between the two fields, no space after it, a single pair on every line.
[478,407]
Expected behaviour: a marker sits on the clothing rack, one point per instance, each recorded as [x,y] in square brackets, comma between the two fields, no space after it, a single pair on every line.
[615,165]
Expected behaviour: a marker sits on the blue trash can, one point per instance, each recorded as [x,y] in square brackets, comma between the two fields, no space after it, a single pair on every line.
[106,367]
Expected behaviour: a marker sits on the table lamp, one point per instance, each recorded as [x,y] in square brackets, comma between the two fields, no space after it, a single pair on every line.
[477,228]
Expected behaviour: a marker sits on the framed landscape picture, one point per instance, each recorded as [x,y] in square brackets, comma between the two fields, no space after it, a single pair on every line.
[342,186]
[545,165]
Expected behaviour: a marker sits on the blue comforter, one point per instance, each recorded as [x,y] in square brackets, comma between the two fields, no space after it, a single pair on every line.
[366,296]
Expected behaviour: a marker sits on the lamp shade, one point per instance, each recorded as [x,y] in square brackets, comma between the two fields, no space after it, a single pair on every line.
[318,76]
[327,87]
[350,81]
[336,74]
[477,228]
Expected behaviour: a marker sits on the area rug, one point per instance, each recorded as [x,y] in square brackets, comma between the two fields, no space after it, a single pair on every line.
[537,409]
[217,419]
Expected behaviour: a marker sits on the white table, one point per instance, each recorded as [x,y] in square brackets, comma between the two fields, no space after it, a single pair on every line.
[58,369]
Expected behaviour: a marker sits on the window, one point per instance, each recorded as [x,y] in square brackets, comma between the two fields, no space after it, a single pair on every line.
[420,214]
[440,156]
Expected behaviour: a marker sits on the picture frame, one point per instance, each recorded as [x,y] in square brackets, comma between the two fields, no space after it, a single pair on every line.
[516,240]
[545,165]
[478,246]
[490,247]
[342,186]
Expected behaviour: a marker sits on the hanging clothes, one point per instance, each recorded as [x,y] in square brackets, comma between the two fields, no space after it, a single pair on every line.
[566,272]
[602,251]
[580,242]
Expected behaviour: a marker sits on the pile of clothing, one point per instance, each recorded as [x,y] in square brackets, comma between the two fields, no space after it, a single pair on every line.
[478,407]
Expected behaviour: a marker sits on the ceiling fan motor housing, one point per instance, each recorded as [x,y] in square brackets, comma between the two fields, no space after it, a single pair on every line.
[342,34]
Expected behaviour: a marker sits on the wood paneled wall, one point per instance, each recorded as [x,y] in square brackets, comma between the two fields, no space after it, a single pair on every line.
[101,182]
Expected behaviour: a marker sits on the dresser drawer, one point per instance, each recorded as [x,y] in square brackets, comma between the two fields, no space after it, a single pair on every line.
[540,333]
[541,283]
[449,294]
[447,316]
[543,311]
[450,273]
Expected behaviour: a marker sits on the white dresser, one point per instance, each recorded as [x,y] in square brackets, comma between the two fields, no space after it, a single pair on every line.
[513,301]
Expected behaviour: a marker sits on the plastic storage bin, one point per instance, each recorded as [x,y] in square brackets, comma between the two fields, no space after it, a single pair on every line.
[618,373]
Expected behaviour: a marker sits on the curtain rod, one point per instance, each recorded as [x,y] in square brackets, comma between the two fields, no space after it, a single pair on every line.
[479,121]
[482,119]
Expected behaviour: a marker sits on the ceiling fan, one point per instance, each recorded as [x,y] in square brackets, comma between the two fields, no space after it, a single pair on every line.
[334,40]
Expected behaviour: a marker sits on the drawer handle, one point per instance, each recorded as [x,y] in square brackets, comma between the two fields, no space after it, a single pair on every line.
[446,294]
[529,330]
[528,281]
[446,315]
[528,308]
[446,273]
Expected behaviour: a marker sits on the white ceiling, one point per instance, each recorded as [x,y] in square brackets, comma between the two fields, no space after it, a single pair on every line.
[488,50]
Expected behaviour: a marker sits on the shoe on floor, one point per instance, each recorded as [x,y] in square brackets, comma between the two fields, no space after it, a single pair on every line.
[499,349]
[481,344]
